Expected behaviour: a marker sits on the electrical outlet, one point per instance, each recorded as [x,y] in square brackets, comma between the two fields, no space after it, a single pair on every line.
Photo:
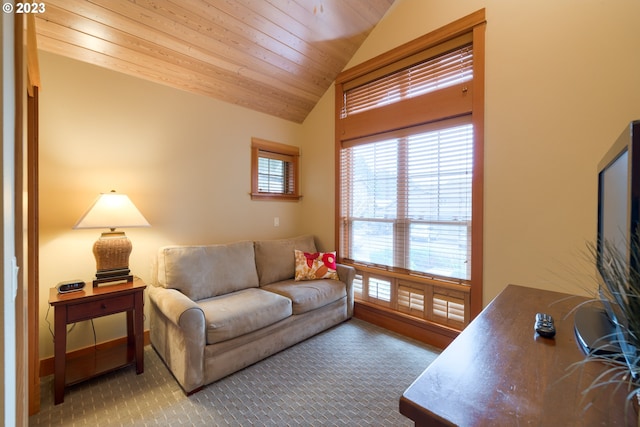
[276,221]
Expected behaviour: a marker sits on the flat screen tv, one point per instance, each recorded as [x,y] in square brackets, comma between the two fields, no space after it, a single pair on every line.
[603,330]
[619,196]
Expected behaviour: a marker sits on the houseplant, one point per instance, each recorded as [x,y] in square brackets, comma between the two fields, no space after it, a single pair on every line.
[619,289]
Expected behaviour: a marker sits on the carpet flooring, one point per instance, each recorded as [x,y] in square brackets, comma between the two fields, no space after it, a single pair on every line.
[350,375]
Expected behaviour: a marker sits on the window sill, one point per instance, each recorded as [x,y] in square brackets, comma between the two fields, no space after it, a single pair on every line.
[275,196]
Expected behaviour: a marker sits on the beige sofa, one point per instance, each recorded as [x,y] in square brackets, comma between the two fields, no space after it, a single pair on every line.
[219,308]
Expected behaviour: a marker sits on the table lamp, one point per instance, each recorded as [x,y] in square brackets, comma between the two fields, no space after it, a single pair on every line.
[112,210]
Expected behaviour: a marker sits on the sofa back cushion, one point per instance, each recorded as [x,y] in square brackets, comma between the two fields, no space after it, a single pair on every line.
[275,259]
[206,271]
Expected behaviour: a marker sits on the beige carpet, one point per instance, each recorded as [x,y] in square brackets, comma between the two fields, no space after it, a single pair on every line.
[351,375]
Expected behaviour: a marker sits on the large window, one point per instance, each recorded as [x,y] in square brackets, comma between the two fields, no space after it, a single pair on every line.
[409,128]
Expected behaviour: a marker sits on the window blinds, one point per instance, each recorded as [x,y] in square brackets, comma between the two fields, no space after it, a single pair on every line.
[271,175]
[439,171]
[406,202]
[445,70]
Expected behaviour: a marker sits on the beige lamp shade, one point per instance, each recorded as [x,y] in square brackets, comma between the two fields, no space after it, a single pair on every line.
[112,210]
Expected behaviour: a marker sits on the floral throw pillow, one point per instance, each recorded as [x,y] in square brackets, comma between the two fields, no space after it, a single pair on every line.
[318,265]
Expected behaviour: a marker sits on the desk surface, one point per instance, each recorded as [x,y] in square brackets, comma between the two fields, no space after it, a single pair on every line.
[498,372]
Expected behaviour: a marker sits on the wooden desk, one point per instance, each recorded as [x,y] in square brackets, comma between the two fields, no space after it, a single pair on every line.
[91,303]
[498,372]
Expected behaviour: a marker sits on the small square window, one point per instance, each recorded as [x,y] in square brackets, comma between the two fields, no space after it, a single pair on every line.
[274,171]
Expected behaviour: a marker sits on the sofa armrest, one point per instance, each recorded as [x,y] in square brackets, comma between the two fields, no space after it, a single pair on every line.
[175,306]
[178,335]
[347,274]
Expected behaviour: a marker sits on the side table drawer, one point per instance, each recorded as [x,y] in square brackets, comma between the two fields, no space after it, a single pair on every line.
[90,310]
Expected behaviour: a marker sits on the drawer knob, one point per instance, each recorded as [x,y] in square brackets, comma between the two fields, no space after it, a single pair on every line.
[103,306]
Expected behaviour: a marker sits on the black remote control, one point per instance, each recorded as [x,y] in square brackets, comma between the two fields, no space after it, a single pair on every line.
[544,325]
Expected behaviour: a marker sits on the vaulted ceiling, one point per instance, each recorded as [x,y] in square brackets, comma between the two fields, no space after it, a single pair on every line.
[274,56]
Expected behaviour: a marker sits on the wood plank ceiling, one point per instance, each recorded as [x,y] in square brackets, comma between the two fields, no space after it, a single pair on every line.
[274,56]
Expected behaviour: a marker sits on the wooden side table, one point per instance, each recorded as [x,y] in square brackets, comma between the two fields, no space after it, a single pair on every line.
[90,303]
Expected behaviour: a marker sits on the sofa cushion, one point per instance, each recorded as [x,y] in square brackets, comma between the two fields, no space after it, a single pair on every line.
[238,313]
[316,265]
[275,260]
[307,296]
[206,271]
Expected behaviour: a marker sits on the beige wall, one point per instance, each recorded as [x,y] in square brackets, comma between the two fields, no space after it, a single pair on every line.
[561,84]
